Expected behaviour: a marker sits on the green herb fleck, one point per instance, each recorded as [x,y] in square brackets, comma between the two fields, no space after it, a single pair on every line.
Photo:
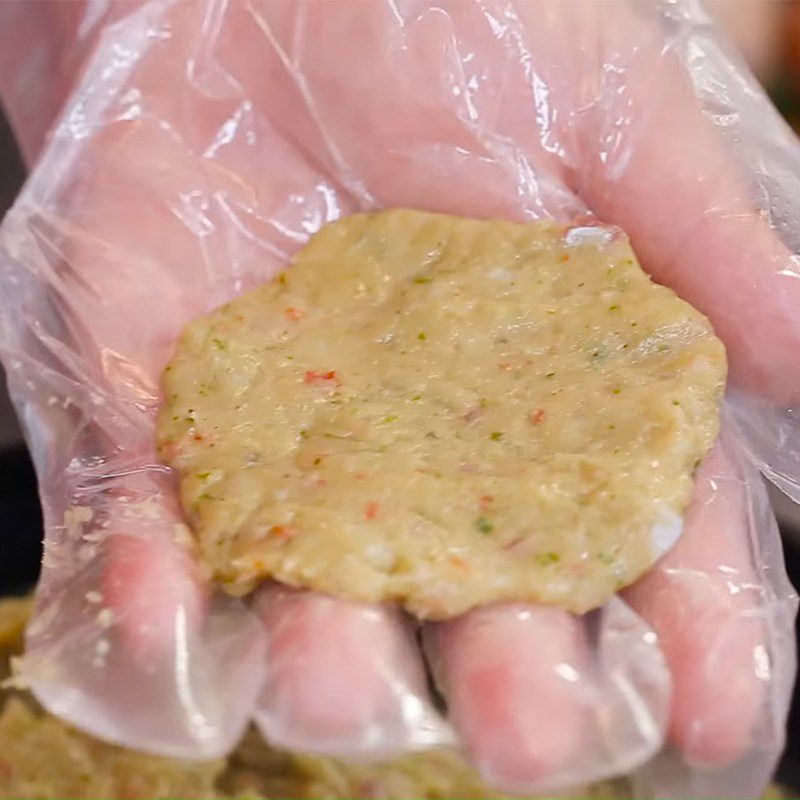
[390,418]
[220,344]
[304,434]
[421,336]
[484,525]
[676,402]
[616,391]
[545,559]
[549,374]
[422,279]
[613,308]
[317,461]
[416,397]
[203,475]
[597,351]
[496,436]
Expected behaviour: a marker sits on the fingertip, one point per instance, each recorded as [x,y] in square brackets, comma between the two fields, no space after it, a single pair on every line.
[717,700]
[704,602]
[510,675]
[152,591]
[323,692]
[342,676]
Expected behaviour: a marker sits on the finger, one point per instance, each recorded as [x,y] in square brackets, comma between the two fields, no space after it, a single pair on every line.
[704,602]
[128,645]
[509,674]
[150,582]
[344,678]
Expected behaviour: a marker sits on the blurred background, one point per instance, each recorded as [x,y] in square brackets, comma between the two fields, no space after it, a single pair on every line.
[767,32]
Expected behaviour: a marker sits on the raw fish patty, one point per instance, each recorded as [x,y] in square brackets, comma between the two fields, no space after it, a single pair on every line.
[444,412]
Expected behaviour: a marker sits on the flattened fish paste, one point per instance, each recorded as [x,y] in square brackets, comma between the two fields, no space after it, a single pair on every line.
[444,412]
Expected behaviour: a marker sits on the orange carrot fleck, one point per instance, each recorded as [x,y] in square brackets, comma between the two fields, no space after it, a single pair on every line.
[565,257]
[312,376]
[485,501]
[283,532]
[371,510]
[459,562]
[537,416]
[293,314]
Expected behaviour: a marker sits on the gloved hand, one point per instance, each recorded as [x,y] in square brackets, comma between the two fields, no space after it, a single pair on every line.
[200,145]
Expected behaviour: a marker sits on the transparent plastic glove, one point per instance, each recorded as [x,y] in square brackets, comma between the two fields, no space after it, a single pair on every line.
[201,144]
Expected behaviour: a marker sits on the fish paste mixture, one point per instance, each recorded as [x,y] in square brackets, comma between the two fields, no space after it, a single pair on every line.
[444,412]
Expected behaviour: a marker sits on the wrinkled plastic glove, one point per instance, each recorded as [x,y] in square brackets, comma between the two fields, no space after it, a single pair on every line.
[199,145]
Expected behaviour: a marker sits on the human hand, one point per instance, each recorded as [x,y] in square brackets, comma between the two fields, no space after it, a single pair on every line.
[201,147]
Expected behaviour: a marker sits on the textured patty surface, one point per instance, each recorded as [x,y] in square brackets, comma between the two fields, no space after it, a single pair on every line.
[444,412]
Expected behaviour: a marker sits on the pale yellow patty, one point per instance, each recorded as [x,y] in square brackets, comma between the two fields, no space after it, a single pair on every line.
[444,412]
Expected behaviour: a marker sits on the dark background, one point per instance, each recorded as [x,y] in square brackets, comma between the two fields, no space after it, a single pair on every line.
[20,551]
[19,503]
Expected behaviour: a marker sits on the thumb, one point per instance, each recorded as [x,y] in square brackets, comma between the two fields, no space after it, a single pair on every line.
[670,164]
